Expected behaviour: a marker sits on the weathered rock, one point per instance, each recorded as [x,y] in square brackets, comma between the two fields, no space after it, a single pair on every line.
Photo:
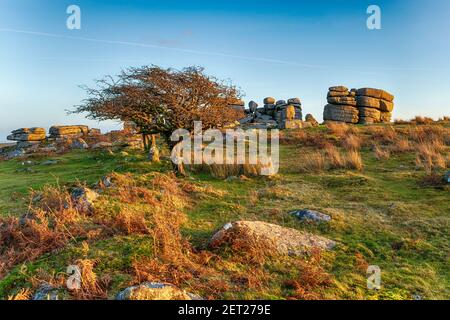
[102,145]
[47,149]
[15,154]
[341,113]
[290,113]
[29,130]
[447,177]
[27,134]
[247,119]
[310,119]
[46,292]
[370,102]
[107,182]
[269,100]
[338,89]
[84,198]
[386,117]
[94,132]
[375,93]
[27,144]
[79,144]
[68,131]
[155,291]
[338,94]
[252,106]
[266,117]
[295,101]
[284,241]
[49,162]
[349,101]
[311,215]
[262,125]
[292,124]
[370,113]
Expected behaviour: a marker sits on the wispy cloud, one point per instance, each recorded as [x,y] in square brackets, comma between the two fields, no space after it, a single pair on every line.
[217,54]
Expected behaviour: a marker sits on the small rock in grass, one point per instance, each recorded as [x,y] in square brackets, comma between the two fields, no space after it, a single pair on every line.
[447,177]
[79,144]
[84,198]
[25,218]
[283,241]
[155,291]
[102,145]
[311,215]
[49,162]
[106,182]
[46,292]
[15,154]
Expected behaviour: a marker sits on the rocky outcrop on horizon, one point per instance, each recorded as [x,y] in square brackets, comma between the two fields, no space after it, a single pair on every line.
[363,106]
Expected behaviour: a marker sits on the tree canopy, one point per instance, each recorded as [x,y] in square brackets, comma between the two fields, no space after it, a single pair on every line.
[162,100]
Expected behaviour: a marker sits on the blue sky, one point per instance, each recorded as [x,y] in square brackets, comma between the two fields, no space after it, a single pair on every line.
[269,48]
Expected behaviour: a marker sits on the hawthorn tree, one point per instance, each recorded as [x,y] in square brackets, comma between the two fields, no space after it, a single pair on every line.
[161,100]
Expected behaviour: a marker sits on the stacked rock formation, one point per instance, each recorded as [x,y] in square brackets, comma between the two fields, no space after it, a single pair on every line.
[27,137]
[341,105]
[27,134]
[282,106]
[273,114]
[61,132]
[375,105]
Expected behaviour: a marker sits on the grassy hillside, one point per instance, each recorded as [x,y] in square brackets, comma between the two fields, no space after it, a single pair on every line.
[388,208]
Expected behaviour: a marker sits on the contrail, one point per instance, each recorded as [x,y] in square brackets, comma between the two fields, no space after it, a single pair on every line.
[217,54]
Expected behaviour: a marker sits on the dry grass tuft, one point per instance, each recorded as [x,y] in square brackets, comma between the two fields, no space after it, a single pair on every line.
[338,129]
[429,156]
[92,288]
[422,120]
[312,276]
[382,135]
[352,143]
[402,145]
[334,157]
[53,221]
[381,153]
[354,160]
[313,162]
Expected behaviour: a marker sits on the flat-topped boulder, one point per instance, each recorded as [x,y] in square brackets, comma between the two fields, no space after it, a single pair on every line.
[380,104]
[375,93]
[269,100]
[27,134]
[155,291]
[281,240]
[68,131]
[349,101]
[341,113]
[338,89]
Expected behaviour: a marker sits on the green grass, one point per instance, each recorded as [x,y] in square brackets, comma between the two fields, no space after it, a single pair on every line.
[382,214]
[17,177]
